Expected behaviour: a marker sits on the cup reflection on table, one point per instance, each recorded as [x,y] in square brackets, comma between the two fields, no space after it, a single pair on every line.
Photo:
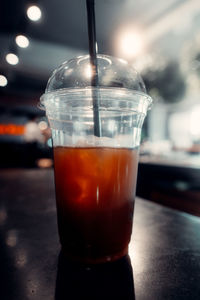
[112,280]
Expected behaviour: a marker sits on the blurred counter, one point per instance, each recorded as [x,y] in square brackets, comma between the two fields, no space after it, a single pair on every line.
[164,250]
[174,159]
[172,180]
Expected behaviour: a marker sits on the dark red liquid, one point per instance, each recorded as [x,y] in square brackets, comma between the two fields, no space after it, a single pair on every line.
[95,189]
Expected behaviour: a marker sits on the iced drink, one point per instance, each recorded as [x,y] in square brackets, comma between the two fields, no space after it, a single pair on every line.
[95,170]
[95,189]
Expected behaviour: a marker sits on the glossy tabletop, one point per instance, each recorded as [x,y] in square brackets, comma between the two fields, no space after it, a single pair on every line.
[164,260]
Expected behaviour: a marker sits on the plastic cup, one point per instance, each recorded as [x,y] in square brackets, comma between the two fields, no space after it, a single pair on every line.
[95,177]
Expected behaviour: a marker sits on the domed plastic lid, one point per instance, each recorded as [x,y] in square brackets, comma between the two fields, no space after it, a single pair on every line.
[112,72]
[75,74]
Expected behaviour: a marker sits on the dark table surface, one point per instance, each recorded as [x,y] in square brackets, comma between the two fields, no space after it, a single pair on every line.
[164,250]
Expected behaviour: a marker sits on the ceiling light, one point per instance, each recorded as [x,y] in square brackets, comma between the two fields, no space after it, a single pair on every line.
[129,43]
[12,58]
[34,13]
[3,80]
[22,41]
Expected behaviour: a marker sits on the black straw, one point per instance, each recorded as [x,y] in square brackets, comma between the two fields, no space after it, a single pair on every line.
[94,65]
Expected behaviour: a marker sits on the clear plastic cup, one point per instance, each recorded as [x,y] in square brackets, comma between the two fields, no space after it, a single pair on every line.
[95,176]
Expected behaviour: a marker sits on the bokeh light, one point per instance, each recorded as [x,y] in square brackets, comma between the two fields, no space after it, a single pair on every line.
[129,43]
[12,59]
[43,125]
[22,41]
[34,13]
[3,81]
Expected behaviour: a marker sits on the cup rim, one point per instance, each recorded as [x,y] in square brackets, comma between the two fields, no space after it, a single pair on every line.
[70,90]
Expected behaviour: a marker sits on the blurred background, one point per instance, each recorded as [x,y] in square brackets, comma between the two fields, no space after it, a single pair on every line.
[161,39]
